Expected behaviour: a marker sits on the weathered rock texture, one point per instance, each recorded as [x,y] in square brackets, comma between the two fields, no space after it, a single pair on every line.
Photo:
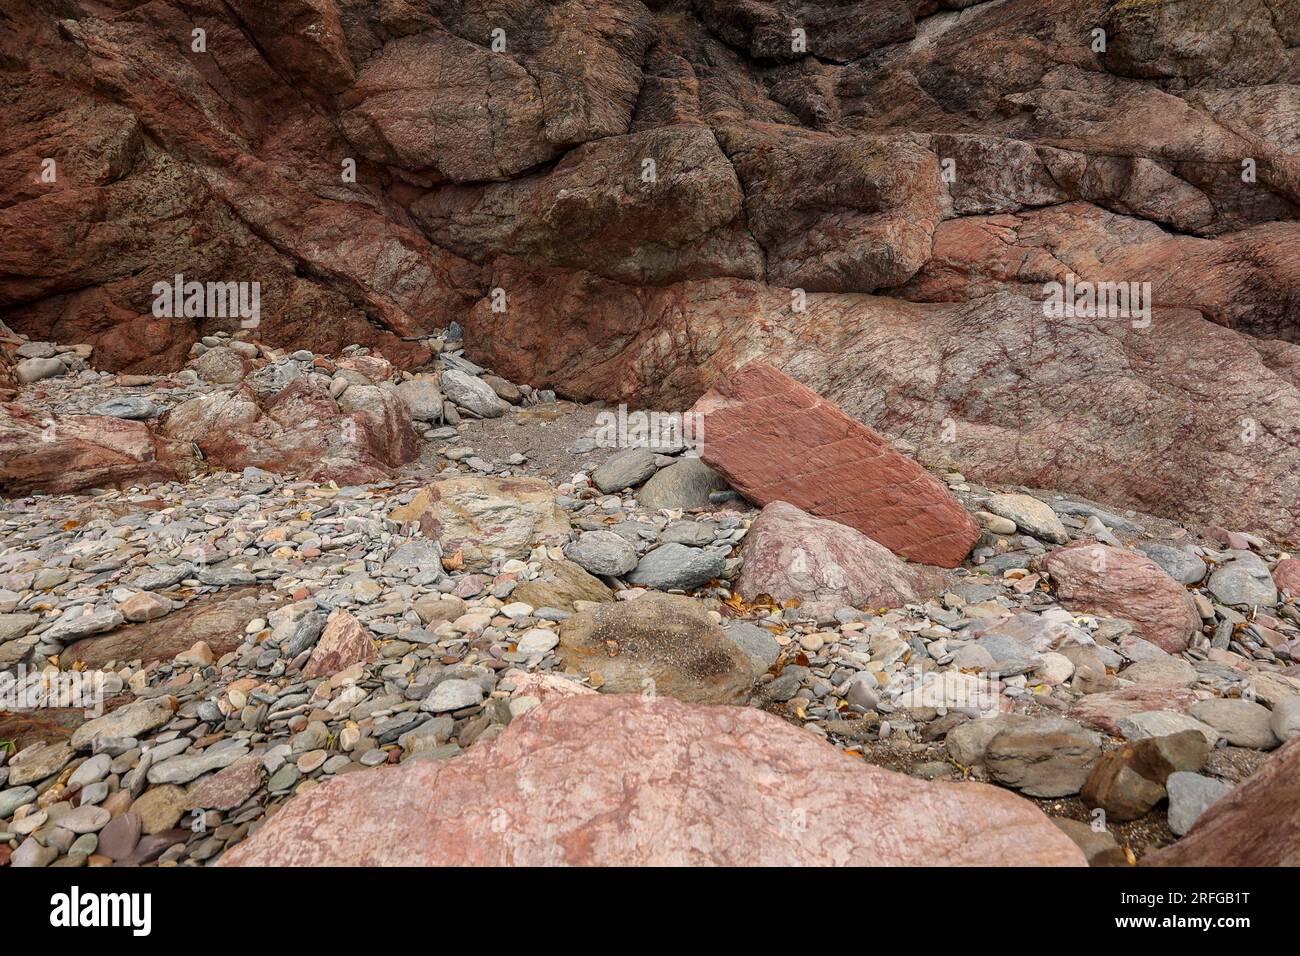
[657,644]
[65,453]
[486,519]
[218,621]
[660,192]
[607,780]
[559,585]
[790,554]
[1096,578]
[216,164]
[992,386]
[300,430]
[776,440]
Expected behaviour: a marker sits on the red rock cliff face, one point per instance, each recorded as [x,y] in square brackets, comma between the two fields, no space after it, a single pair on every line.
[626,200]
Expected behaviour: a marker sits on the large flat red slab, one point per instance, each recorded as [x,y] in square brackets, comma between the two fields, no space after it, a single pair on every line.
[777,440]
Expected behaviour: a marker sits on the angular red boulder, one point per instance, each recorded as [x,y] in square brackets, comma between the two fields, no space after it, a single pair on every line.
[777,440]
[1013,389]
[59,454]
[1257,824]
[1098,579]
[620,779]
[344,642]
[1286,575]
[300,430]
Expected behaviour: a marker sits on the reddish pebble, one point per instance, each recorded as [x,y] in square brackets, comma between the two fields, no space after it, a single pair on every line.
[118,840]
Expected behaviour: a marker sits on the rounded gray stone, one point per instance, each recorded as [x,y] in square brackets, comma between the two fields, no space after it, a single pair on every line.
[13,798]
[627,469]
[603,553]
[1285,720]
[472,394]
[675,566]
[423,397]
[133,408]
[453,694]
[1030,515]
[683,486]
[1243,723]
[1244,581]
[688,532]
[755,641]
[35,369]
[1182,566]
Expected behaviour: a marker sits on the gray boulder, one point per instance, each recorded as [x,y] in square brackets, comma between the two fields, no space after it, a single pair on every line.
[671,566]
[755,641]
[1044,757]
[134,408]
[684,485]
[472,394]
[1243,723]
[603,553]
[1190,795]
[627,469]
[1244,581]
[423,398]
[1183,566]
[35,369]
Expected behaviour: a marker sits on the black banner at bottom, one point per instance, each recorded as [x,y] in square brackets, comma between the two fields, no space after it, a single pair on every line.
[170,905]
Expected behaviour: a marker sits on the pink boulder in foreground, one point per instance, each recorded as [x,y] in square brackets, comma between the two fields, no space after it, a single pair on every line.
[774,439]
[597,779]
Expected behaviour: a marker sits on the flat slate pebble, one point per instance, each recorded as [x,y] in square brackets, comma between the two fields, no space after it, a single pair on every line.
[453,694]
[312,760]
[118,839]
[85,819]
